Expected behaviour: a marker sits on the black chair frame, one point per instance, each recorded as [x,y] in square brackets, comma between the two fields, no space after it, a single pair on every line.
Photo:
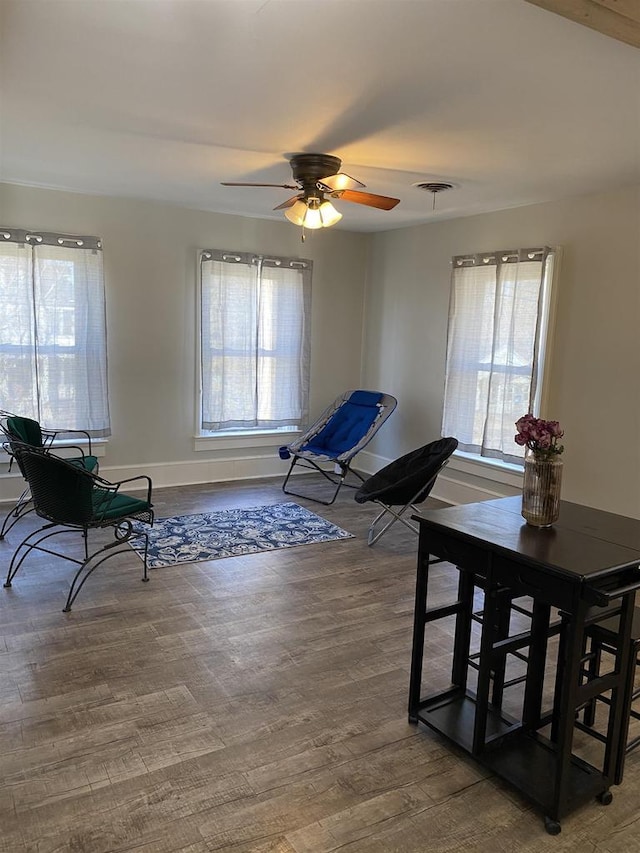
[398,496]
[24,504]
[78,516]
[336,478]
[602,639]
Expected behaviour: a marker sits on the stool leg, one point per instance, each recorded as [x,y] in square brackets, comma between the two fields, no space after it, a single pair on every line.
[487,640]
[593,671]
[503,622]
[462,641]
[534,685]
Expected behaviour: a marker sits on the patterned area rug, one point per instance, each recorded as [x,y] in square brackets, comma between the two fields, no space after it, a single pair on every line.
[234,532]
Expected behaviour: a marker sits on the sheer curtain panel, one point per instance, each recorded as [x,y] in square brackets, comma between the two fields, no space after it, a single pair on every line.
[497,320]
[255,340]
[53,348]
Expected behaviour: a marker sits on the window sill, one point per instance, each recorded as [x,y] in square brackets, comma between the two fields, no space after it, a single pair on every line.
[488,469]
[243,439]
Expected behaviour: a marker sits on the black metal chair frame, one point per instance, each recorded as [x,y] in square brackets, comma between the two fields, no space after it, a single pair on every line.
[24,504]
[603,638]
[336,479]
[88,518]
[417,497]
[341,461]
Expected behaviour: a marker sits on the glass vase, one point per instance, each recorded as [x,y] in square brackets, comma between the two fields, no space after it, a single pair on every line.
[541,489]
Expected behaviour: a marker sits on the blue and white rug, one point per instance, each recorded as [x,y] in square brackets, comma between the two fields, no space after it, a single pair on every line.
[233,533]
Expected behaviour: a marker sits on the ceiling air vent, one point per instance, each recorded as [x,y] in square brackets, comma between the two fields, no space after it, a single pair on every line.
[434,187]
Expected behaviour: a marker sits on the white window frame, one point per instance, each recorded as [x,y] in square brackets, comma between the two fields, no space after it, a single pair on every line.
[497,470]
[36,252]
[237,438]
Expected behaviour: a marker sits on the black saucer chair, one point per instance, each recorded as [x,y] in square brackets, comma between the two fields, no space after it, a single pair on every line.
[26,431]
[70,498]
[404,484]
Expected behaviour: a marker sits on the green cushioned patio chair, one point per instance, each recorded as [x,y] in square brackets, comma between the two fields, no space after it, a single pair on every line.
[27,431]
[70,498]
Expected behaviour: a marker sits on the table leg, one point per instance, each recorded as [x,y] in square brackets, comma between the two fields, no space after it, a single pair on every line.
[417,653]
[618,727]
[569,664]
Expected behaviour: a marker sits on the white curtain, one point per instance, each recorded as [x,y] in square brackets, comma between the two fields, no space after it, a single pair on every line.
[255,341]
[53,354]
[496,319]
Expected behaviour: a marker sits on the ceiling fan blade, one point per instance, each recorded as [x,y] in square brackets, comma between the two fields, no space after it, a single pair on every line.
[341,181]
[280,186]
[288,203]
[382,202]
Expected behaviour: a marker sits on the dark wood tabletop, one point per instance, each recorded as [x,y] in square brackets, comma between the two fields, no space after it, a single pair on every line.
[584,545]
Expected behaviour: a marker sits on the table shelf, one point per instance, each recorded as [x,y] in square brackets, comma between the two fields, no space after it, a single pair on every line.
[525,760]
[452,714]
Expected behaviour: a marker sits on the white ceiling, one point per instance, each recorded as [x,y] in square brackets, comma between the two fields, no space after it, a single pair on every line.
[163,99]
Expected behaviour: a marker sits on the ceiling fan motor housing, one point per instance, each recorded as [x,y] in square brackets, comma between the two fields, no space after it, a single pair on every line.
[308,169]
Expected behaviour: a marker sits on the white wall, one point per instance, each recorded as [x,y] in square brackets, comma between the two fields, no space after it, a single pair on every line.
[150,258]
[402,278]
[594,390]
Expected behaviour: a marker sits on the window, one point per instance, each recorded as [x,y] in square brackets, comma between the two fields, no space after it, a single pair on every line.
[53,360]
[254,341]
[498,318]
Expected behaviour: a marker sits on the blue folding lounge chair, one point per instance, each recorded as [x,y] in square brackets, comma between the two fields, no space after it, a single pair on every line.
[340,432]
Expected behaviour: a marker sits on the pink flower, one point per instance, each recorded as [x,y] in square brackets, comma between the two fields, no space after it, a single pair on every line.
[554,429]
[539,435]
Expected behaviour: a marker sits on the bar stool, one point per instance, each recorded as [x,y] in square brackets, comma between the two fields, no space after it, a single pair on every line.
[517,645]
[498,674]
[603,637]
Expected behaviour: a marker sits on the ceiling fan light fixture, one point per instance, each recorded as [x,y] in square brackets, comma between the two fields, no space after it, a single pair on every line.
[313,213]
[329,214]
[312,219]
[297,212]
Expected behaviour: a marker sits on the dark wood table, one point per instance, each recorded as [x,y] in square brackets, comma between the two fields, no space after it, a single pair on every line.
[587,566]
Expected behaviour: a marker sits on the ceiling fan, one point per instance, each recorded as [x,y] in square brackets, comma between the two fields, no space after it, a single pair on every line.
[318,176]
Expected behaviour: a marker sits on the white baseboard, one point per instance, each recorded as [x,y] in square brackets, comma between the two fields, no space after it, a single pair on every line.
[173,473]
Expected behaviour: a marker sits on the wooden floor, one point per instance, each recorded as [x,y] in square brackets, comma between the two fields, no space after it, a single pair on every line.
[248,704]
